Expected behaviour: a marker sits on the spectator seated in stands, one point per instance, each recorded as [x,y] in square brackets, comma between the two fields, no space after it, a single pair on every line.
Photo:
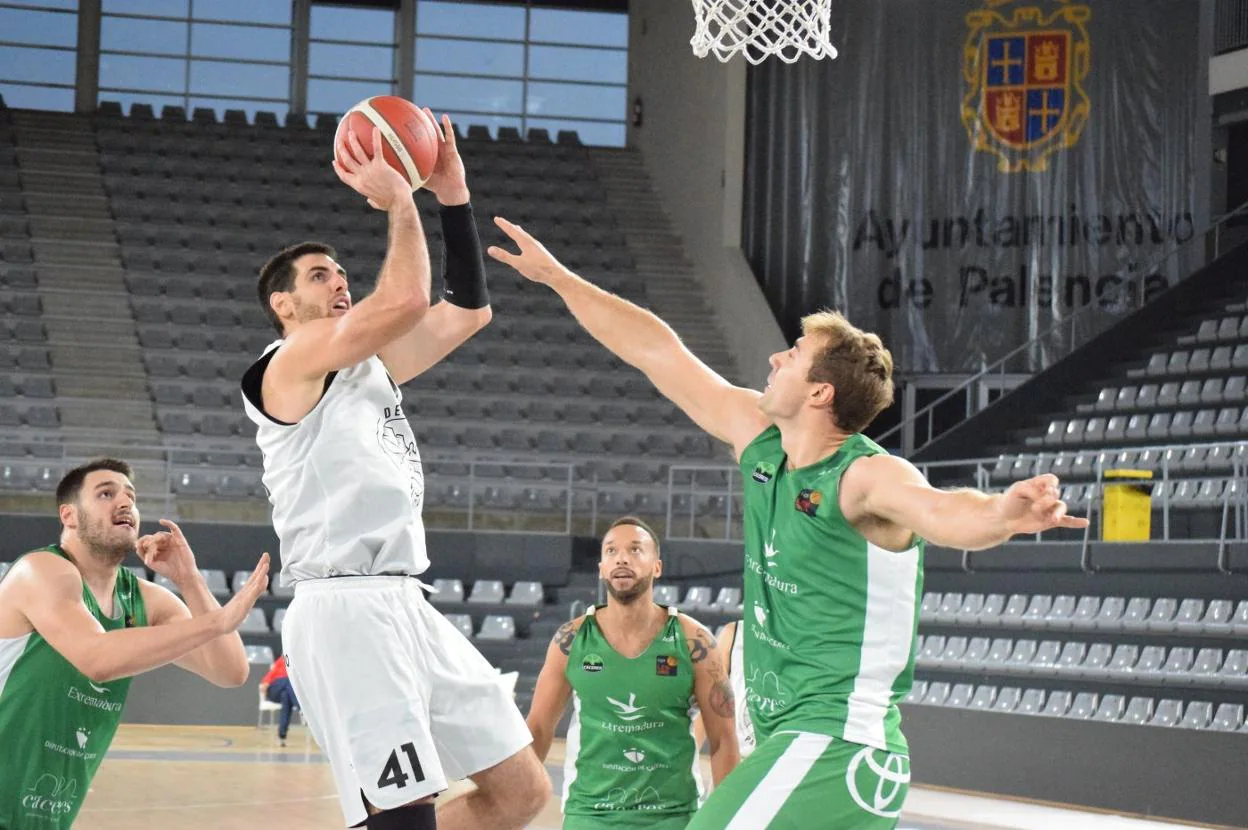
[275,687]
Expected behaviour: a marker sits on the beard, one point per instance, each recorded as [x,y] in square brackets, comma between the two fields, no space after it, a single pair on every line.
[308,311]
[105,541]
[640,587]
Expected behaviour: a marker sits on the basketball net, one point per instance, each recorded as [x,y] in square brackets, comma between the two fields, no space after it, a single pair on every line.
[759,29]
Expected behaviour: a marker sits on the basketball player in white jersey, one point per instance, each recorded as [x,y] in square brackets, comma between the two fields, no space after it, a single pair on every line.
[396,697]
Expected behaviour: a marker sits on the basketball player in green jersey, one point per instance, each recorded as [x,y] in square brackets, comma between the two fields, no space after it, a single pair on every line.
[635,670]
[75,626]
[834,536]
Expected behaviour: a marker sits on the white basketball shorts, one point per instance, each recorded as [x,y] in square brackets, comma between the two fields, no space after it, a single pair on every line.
[395,695]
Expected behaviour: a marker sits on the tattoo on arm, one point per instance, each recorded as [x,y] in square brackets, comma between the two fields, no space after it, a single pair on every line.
[723,701]
[701,645]
[565,635]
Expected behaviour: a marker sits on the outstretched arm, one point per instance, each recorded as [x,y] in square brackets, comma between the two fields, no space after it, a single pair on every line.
[713,692]
[465,307]
[552,692]
[49,592]
[887,488]
[641,339]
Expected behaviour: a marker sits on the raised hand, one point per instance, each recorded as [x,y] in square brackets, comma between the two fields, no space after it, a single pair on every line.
[235,611]
[449,180]
[169,554]
[1034,505]
[371,175]
[534,262]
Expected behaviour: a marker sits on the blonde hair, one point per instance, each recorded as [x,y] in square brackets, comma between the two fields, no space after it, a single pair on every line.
[856,363]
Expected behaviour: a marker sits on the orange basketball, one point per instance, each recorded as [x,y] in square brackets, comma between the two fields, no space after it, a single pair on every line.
[410,137]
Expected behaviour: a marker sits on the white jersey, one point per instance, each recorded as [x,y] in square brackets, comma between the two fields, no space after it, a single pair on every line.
[345,482]
[736,676]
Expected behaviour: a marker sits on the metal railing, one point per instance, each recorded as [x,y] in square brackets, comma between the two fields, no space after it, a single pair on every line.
[1055,342]
[1230,28]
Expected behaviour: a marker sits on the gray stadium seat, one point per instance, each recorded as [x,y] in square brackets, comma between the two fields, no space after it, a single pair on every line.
[1234,671]
[259,655]
[1178,665]
[990,614]
[447,591]
[1031,703]
[463,622]
[1139,711]
[1204,669]
[1084,616]
[976,653]
[916,693]
[526,594]
[1217,617]
[985,698]
[255,623]
[1007,699]
[1161,617]
[667,595]
[929,607]
[1037,611]
[1084,706]
[1096,660]
[947,612]
[1071,658]
[167,583]
[1046,656]
[953,652]
[486,591]
[498,627]
[960,695]
[1135,616]
[1229,717]
[1012,614]
[215,580]
[1058,704]
[1187,620]
[697,598]
[937,694]
[1021,657]
[968,612]
[1111,709]
[281,588]
[279,617]
[932,648]
[1197,715]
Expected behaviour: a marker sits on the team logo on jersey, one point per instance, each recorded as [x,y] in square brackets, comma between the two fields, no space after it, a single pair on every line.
[760,614]
[878,781]
[51,797]
[394,435]
[808,502]
[592,663]
[1025,99]
[665,665]
[635,755]
[764,471]
[83,735]
[770,552]
[627,711]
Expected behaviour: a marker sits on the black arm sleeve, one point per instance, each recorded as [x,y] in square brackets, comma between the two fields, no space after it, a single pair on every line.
[463,267]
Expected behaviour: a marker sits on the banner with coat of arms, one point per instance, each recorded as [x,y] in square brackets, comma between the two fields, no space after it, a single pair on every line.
[969,172]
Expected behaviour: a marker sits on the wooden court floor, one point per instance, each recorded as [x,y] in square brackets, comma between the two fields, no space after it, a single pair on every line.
[231,778]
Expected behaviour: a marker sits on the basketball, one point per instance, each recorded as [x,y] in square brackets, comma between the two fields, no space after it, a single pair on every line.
[411,136]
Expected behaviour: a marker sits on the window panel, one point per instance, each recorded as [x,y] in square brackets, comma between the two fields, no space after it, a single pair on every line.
[594,133]
[340,96]
[336,60]
[37,97]
[335,23]
[49,66]
[123,34]
[572,100]
[464,120]
[38,28]
[564,63]
[439,93]
[246,11]
[152,74]
[161,8]
[213,40]
[590,28]
[218,78]
[470,56]
[469,19]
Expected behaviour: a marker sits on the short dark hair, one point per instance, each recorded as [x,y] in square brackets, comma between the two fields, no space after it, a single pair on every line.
[278,274]
[636,522]
[70,485]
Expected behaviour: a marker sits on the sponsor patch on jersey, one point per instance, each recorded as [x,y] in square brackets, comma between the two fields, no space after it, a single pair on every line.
[808,502]
[592,663]
[764,471]
[665,665]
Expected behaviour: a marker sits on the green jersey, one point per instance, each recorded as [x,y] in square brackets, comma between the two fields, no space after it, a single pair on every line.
[830,619]
[630,751]
[55,724]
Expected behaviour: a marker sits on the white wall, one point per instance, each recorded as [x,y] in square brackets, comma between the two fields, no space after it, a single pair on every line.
[692,139]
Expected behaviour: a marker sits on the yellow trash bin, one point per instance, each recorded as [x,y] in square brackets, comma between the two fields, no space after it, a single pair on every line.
[1127,512]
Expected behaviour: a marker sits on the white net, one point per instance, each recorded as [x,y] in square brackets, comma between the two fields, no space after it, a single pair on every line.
[759,29]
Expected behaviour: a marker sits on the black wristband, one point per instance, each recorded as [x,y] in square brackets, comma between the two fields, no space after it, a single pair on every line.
[463,267]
